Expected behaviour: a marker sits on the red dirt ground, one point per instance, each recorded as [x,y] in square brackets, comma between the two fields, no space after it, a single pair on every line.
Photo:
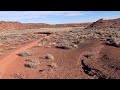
[13,56]
[68,62]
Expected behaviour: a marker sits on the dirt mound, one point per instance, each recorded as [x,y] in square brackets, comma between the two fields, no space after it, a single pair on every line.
[112,23]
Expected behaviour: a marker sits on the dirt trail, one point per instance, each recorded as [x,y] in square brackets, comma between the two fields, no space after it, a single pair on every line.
[13,56]
[75,67]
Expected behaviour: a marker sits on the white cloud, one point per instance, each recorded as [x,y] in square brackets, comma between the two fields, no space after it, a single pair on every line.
[20,15]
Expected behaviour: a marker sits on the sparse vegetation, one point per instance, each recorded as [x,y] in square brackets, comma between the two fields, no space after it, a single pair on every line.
[48,56]
[31,65]
[89,55]
[25,53]
[53,65]
[41,70]
[32,60]
[114,41]
[64,46]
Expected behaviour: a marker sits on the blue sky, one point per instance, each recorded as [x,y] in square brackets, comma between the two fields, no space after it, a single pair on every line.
[57,17]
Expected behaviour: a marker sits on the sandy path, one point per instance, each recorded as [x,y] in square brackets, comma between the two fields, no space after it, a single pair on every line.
[13,56]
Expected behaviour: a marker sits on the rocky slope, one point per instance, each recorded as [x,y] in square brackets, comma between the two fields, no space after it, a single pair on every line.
[111,23]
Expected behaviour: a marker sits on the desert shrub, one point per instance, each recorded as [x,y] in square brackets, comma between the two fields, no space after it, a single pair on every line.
[25,53]
[41,70]
[63,46]
[75,46]
[32,60]
[53,65]
[89,55]
[98,32]
[31,65]
[113,41]
[48,33]
[84,36]
[76,41]
[49,56]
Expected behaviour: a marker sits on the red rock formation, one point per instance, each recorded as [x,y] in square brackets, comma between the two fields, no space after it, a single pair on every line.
[112,23]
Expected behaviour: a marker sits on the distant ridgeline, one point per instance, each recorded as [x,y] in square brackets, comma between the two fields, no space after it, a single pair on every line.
[5,25]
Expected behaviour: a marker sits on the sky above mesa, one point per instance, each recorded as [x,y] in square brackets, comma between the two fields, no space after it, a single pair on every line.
[57,17]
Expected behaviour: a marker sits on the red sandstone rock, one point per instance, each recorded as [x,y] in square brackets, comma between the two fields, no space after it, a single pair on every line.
[111,23]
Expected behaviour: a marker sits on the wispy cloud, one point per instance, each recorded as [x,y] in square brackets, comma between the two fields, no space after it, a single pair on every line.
[21,15]
[57,16]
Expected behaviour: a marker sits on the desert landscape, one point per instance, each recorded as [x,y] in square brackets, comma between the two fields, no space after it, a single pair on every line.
[60,51]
